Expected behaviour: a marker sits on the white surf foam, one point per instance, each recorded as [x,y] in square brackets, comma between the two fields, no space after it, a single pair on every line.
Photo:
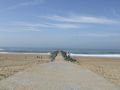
[25,53]
[97,55]
[3,52]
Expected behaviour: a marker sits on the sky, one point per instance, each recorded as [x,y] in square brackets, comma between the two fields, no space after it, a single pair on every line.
[91,24]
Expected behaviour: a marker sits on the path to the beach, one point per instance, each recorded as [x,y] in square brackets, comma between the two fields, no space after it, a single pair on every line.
[57,75]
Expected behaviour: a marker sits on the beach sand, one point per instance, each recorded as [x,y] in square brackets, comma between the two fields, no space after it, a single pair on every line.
[57,75]
[13,63]
[88,73]
[109,68]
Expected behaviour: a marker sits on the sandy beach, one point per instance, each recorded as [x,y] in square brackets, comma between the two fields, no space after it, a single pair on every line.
[57,75]
[13,63]
[109,68]
[41,74]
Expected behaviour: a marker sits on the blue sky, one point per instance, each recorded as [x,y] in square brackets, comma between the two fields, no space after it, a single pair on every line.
[60,23]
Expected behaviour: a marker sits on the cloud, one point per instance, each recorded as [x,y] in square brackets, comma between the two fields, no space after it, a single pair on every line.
[22,4]
[66,22]
[50,25]
[34,29]
[81,19]
[56,22]
[98,35]
[38,27]
[66,26]
[15,27]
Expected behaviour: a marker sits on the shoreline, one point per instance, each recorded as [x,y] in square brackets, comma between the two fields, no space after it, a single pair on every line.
[71,54]
[25,53]
[96,55]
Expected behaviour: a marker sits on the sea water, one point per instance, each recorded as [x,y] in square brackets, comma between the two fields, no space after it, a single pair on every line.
[73,51]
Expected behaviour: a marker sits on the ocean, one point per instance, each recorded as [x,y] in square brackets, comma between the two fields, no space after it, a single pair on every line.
[73,51]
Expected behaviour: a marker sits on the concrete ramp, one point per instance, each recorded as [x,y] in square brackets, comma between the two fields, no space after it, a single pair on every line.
[59,58]
[57,75]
